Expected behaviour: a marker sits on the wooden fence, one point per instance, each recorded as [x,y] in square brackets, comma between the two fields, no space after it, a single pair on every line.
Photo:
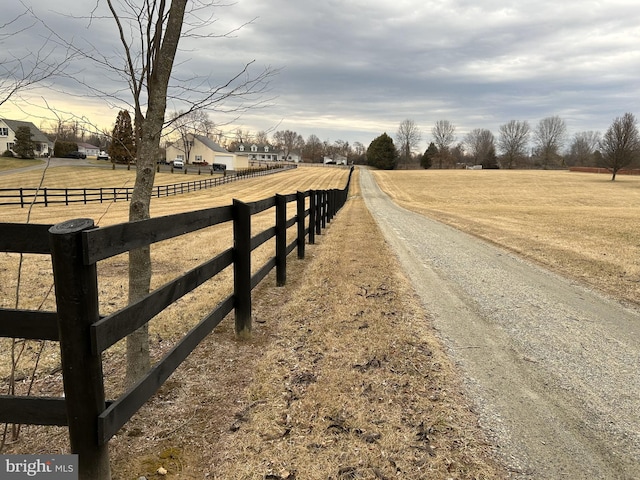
[75,247]
[47,196]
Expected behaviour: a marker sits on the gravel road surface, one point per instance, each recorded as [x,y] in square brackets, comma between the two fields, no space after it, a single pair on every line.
[552,367]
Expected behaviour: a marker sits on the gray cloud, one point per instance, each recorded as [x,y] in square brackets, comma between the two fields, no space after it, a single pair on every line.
[352,69]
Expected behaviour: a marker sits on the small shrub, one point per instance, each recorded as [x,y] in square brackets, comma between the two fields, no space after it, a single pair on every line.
[62,149]
[7,153]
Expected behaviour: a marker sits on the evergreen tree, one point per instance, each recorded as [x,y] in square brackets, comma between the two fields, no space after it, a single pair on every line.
[491,159]
[382,153]
[24,145]
[62,148]
[426,161]
[122,149]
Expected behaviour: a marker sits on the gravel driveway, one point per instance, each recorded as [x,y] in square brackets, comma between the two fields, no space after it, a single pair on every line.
[552,366]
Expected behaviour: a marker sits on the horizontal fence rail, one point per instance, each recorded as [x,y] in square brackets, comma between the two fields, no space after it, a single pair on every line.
[51,196]
[76,246]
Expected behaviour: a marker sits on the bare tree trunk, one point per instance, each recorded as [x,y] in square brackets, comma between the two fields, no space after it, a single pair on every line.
[138,361]
[149,129]
[148,63]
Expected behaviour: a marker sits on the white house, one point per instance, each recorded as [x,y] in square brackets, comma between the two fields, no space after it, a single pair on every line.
[292,157]
[88,149]
[8,128]
[257,152]
[201,149]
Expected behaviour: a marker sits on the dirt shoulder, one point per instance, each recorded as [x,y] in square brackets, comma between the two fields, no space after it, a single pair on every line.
[343,378]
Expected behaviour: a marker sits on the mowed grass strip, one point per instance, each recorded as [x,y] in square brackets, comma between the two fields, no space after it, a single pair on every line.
[582,225]
[7,163]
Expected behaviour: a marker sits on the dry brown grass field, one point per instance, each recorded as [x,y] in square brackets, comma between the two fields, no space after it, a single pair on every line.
[170,258]
[343,376]
[13,163]
[580,224]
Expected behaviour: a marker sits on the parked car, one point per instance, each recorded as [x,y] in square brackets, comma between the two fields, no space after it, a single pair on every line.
[76,154]
[177,163]
[201,162]
[103,156]
[218,167]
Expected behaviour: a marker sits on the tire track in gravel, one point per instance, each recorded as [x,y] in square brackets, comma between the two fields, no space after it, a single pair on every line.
[552,366]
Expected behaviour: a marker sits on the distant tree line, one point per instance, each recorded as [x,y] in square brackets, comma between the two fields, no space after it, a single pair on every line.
[77,132]
[310,150]
[519,146]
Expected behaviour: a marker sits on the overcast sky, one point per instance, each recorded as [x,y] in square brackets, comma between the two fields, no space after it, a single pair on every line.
[353,69]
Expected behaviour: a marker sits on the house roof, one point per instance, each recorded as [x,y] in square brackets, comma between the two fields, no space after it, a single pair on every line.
[211,144]
[38,136]
[88,145]
[262,147]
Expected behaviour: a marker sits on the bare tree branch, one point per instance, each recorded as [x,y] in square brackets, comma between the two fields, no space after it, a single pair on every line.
[513,140]
[20,71]
[549,137]
[443,135]
[408,137]
[621,144]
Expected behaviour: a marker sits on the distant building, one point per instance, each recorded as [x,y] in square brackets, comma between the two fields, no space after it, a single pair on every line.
[292,157]
[335,160]
[257,152]
[200,149]
[88,149]
[43,147]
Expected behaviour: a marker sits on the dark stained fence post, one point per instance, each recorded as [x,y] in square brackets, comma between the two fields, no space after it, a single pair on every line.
[242,267]
[319,210]
[324,202]
[77,307]
[331,205]
[312,216]
[345,193]
[281,240]
[300,199]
